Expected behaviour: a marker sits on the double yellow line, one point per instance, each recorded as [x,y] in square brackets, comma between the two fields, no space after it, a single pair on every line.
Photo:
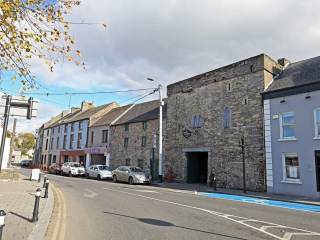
[60,217]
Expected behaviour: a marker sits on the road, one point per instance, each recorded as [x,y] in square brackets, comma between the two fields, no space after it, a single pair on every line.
[106,210]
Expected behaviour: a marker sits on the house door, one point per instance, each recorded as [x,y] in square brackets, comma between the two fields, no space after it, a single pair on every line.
[318,170]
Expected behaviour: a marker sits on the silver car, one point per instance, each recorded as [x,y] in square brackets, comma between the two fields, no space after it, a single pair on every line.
[131,175]
[99,172]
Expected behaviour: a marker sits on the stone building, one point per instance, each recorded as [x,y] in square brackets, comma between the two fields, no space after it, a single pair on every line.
[134,137]
[100,138]
[292,130]
[207,117]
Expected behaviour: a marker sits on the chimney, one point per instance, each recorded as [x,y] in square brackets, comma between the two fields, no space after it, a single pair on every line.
[73,109]
[283,61]
[86,105]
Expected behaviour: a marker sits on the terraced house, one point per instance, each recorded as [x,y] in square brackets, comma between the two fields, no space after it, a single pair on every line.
[207,117]
[134,137]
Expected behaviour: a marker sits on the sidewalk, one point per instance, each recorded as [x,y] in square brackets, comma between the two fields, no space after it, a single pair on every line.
[262,195]
[17,200]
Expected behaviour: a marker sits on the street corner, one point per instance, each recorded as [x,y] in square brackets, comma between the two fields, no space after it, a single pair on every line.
[27,210]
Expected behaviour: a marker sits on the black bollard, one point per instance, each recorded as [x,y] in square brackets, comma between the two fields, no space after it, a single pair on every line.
[44,181]
[36,206]
[2,216]
[47,188]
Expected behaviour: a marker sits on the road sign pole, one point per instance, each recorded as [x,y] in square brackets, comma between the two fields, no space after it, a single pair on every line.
[5,127]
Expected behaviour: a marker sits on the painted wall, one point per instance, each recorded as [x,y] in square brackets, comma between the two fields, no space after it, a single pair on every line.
[304,145]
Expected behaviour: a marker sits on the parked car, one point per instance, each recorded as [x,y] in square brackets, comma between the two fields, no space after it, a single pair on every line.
[99,172]
[72,169]
[55,168]
[131,175]
[25,163]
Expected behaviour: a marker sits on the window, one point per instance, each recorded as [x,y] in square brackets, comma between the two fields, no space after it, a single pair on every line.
[79,140]
[317,122]
[64,141]
[72,127]
[227,117]
[71,141]
[54,159]
[128,162]
[143,141]
[92,136]
[65,128]
[53,130]
[47,144]
[51,143]
[126,127]
[47,132]
[57,145]
[287,125]
[140,163]
[144,125]
[59,129]
[80,125]
[126,142]
[197,121]
[65,158]
[104,136]
[291,168]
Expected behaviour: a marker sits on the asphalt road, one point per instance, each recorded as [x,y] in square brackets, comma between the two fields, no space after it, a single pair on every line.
[106,210]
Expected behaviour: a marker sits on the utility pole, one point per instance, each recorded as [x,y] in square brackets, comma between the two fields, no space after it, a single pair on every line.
[243,165]
[5,127]
[160,132]
[12,140]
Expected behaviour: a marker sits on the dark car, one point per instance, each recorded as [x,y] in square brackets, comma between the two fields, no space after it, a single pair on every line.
[55,168]
[25,163]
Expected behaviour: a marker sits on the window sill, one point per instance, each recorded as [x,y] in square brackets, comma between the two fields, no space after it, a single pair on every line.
[291,181]
[316,138]
[287,139]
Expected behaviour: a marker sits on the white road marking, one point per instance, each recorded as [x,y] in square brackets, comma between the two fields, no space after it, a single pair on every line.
[90,194]
[243,221]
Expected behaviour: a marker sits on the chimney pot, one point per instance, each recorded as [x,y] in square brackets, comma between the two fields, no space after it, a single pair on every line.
[283,61]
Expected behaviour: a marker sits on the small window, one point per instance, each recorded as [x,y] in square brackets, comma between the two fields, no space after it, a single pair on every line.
[227,118]
[46,144]
[317,122]
[92,136]
[229,87]
[127,162]
[140,163]
[291,168]
[144,125]
[64,141]
[245,101]
[126,127]
[71,141]
[57,145]
[51,143]
[72,127]
[126,142]
[104,136]
[197,121]
[287,126]
[79,140]
[47,132]
[143,141]
[53,130]
[80,125]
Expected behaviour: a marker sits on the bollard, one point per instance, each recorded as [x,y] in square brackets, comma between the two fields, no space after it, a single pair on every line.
[44,181]
[36,206]
[2,216]
[39,179]
[47,188]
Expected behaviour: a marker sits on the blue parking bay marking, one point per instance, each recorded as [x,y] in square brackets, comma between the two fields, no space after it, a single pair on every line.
[266,202]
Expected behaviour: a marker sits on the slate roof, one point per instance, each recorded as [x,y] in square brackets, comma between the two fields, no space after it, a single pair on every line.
[142,112]
[110,116]
[297,74]
[86,114]
[64,119]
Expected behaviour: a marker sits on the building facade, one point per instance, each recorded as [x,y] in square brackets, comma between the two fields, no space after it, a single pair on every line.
[207,117]
[134,138]
[292,130]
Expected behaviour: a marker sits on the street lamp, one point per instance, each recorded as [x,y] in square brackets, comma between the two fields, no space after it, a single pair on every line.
[160,127]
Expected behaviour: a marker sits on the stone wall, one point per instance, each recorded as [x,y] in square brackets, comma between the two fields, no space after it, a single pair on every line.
[237,86]
[119,153]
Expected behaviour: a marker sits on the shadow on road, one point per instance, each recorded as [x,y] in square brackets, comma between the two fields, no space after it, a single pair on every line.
[162,223]
[20,216]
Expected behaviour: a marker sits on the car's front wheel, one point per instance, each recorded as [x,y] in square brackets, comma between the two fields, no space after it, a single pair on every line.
[98,177]
[114,178]
[131,182]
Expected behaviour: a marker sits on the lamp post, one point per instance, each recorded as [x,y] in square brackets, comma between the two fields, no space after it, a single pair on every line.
[2,216]
[160,128]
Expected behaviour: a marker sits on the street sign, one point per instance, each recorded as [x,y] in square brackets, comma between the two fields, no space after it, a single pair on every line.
[20,106]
